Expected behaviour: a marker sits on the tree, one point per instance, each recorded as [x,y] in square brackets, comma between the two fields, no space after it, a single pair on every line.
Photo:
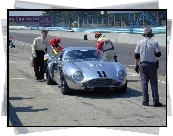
[55,16]
[86,17]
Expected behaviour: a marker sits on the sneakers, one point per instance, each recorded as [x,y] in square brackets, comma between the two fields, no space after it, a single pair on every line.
[145,103]
[41,80]
[37,80]
[157,104]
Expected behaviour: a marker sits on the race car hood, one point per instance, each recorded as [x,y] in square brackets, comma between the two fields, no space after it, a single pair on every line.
[92,64]
[96,69]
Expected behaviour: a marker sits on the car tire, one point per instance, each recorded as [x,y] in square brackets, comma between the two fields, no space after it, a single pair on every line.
[45,65]
[123,89]
[65,90]
[49,80]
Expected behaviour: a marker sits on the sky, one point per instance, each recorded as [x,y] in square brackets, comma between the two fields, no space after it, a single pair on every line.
[31,5]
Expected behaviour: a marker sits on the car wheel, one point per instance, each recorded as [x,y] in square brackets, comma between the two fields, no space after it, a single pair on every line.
[49,80]
[123,89]
[65,90]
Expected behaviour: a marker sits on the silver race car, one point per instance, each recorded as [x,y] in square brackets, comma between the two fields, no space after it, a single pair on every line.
[85,68]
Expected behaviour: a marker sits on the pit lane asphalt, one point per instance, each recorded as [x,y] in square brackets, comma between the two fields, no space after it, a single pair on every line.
[125,52]
[37,104]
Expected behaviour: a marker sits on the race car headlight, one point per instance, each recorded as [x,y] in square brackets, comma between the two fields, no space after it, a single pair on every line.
[78,76]
[121,75]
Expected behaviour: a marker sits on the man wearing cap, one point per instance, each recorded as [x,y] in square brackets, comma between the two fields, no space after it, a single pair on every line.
[40,44]
[105,46]
[146,52]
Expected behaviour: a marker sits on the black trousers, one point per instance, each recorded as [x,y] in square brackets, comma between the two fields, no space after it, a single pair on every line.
[148,72]
[39,64]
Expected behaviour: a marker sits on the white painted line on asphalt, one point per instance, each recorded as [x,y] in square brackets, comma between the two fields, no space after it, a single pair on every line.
[17,78]
[133,74]
[131,65]
[163,82]
[21,42]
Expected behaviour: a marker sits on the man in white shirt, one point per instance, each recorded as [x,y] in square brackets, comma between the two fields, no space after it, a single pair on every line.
[146,52]
[40,44]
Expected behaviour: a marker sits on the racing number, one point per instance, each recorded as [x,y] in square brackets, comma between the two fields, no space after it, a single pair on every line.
[101,74]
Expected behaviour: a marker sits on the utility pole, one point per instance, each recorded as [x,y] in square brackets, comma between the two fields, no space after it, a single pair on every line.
[121,20]
[78,21]
[102,20]
[157,18]
[108,20]
[143,18]
[134,18]
[103,13]
[114,21]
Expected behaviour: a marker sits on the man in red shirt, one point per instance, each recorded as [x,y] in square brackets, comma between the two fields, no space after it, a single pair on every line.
[55,45]
[105,46]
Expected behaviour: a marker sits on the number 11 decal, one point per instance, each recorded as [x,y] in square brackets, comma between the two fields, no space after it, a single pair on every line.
[101,73]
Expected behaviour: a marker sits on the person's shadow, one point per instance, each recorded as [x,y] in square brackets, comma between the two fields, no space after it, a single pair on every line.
[12,112]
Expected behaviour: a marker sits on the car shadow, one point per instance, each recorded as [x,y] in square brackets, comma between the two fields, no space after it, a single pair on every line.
[134,80]
[106,94]
[13,117]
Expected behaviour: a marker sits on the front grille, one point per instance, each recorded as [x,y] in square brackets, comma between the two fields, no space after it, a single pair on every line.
[100,82]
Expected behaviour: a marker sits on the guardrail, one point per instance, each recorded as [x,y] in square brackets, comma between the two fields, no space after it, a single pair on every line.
[18,27]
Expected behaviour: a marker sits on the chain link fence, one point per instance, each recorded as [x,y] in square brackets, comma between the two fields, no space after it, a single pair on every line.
[140,19]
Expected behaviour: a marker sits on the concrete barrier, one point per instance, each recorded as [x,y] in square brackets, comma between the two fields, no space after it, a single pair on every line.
[115,37]
[18,27]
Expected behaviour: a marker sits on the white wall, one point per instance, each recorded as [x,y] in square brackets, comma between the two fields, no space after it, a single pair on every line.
[115,37]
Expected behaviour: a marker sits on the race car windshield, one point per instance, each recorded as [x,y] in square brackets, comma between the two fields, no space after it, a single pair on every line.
[83,54]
